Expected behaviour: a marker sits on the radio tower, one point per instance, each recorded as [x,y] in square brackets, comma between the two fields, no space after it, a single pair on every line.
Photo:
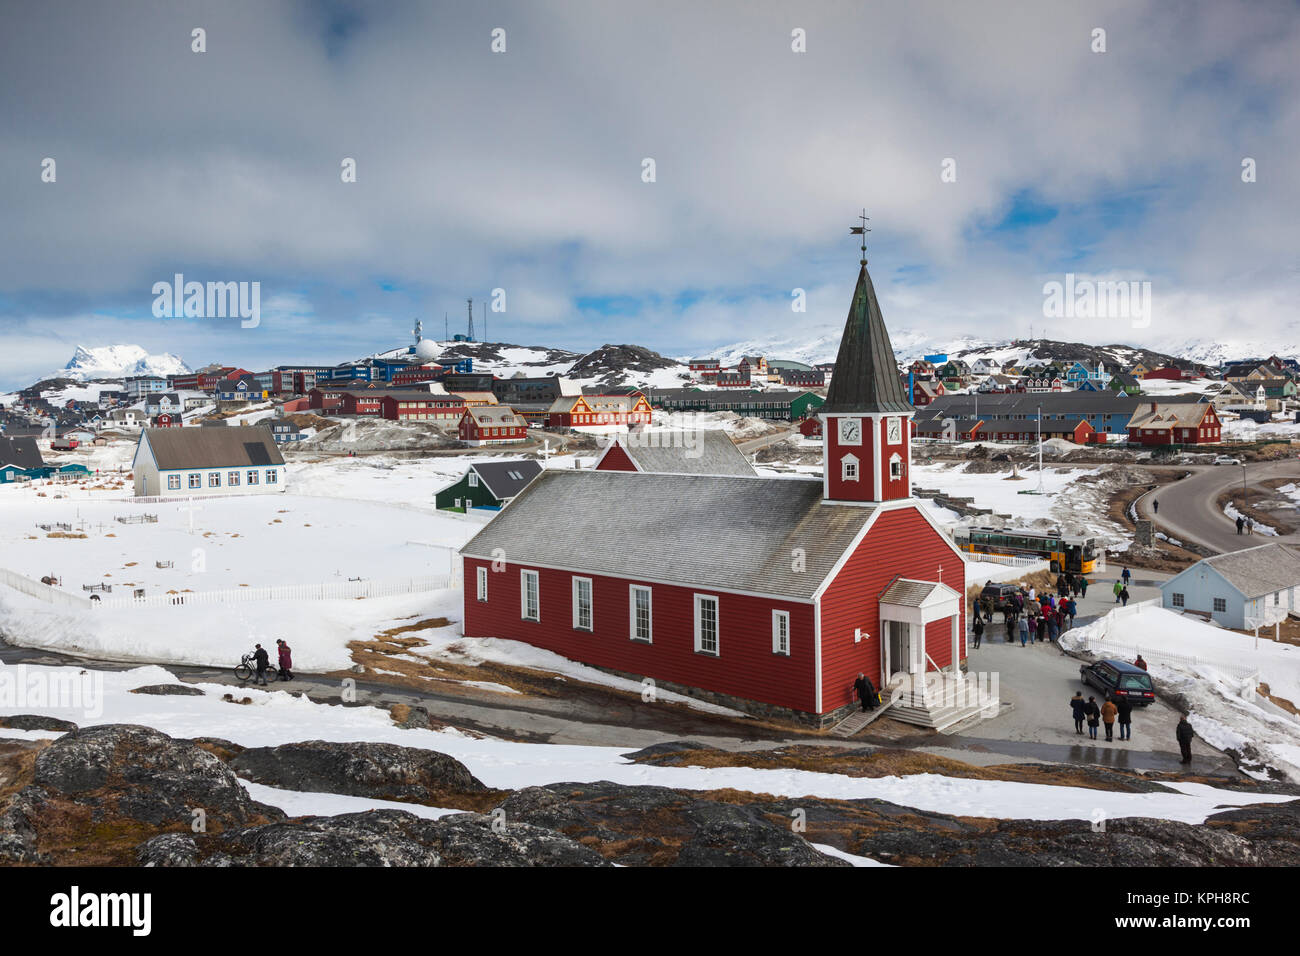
[469,334]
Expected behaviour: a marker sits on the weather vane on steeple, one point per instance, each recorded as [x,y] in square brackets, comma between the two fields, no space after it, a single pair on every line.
[862,231]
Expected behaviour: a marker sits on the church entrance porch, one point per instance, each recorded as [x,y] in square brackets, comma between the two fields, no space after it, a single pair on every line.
[920,691]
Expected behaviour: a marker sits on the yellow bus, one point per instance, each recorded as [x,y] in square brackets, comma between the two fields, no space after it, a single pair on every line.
[1064,552]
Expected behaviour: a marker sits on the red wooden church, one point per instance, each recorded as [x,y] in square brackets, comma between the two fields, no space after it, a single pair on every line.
[766,594]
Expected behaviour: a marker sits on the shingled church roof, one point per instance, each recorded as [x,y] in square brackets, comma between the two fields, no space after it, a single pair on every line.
[866,375]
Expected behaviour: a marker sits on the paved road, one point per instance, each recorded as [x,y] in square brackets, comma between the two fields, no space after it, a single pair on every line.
[1038,681]
[1188,511]
[754,444]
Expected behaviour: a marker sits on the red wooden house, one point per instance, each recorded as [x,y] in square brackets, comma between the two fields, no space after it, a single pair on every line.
[811,428]
[768,594]
[575,411]
[492,425]
[1174,423]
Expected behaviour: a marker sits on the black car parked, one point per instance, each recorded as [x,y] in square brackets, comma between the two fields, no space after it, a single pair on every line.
[1120,679]
[998,595]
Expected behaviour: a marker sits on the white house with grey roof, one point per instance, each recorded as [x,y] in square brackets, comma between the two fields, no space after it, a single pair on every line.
[202,462]
[1240,589]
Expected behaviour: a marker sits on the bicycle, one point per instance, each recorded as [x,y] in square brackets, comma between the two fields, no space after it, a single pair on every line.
[247,669]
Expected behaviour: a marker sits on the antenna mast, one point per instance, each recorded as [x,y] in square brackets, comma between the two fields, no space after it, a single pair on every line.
[469,306]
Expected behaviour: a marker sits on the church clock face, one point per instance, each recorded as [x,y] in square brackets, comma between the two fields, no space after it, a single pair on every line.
[894,431]
[850,431]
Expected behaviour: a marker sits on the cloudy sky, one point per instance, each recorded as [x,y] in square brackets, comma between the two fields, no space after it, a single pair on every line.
[523,170]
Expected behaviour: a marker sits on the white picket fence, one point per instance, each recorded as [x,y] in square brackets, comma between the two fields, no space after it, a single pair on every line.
[46,593]
[1010,560]
[1102,647]
[325,591]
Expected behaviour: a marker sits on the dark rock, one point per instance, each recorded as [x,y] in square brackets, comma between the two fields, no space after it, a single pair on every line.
[18,834]
[36,722]
[658,826]
[380,771]
[169,690]
[144,775]
[376,838]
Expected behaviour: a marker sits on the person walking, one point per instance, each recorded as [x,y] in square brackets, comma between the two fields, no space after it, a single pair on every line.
[286,661]
[1024,632]
[1126,577]
[1093,713]
[1011,627]
[1108,713]
[866,692]
[1079,710]
[1155,506]
[1184,733]
[977,628]
[1250,525]
[1241,523]
[1123,596]
[1140,662]
[1054,626]
[1083,585]
[1040,628]
[1119,586]
[260,660]
[1071,609]
[975,612]
[1124,717]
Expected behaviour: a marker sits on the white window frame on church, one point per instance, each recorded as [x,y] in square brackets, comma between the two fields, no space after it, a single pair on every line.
[849,468]
[895,467]
[707,625]
[781,633]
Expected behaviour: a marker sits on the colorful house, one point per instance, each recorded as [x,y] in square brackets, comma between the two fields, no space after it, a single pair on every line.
[576,411]
[1174,423]
[492,425]
[488,484]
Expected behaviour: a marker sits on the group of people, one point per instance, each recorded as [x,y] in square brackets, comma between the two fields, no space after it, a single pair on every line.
[1118,710]
[1120,588]
[1112,711]
[262,660]
[1247,522]
[1032,616]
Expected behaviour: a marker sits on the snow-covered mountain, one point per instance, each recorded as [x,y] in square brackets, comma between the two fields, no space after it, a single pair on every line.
[822,343]
[119,361]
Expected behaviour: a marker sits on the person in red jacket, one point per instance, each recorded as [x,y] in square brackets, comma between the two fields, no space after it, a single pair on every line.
[1140,662]
[286,661]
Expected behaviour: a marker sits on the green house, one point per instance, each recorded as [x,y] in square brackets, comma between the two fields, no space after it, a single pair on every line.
[488,484]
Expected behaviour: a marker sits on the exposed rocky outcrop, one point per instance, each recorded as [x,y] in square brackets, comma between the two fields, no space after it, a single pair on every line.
[168,690]
[95,793]
[36,722]
[639,826]
[380,771]
[121,794]
[377,838]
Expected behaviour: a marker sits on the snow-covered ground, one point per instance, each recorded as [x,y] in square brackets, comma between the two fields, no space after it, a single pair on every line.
[1233,514]
[275,717]
[1066,502]
[1243,429]
[1203,662]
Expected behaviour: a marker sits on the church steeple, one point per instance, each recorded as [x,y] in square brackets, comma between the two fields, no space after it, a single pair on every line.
[866,429]
[866,377]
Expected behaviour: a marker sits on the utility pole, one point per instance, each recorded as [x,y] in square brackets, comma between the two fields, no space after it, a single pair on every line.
[1040,449]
